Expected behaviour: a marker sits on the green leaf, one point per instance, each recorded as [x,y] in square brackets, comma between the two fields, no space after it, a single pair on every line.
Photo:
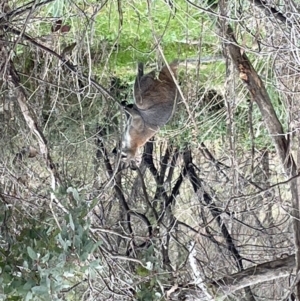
[74,193]
[71,222]
[28,296]
[45,258]
[57,8]
[28,285]
[40,290]
[31,253]
[95,264]
[94,202]
[89,247]
[141,271]
[83,256]
[62,242]
[25,264]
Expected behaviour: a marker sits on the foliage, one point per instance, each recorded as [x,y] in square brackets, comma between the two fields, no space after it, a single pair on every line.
[41,260]
[210,198]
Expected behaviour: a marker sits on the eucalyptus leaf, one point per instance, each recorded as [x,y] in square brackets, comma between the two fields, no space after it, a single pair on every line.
[71,222]
[31,253]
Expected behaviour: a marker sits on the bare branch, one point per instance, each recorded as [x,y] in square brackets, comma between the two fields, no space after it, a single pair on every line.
[260,273]
[259,94]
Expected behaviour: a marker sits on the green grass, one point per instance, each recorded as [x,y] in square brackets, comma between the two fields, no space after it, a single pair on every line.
[185,34]
[136,38]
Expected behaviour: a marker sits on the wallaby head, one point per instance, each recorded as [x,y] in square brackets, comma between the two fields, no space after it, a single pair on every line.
[155,101]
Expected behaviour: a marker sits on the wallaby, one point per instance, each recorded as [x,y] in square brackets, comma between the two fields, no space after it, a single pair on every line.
[155,101]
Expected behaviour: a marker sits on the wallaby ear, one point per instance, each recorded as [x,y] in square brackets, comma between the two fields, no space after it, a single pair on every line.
[140,71]
[139,76]
[165,75]
[175,62]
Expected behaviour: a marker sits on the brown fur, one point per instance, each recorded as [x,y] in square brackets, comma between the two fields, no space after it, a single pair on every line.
[150,91]
[155,100]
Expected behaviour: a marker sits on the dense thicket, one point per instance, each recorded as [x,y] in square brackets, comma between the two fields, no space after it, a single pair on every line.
[212,212]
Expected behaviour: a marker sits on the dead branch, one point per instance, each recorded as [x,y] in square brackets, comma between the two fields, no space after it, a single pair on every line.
[65,62]
[267,271]
[259,94]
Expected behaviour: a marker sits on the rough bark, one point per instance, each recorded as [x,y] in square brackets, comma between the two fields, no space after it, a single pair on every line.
[259,94]
[267,271]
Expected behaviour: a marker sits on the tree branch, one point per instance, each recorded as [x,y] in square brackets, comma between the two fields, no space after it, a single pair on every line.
[66,63]
[257,274]
[263,5]
[259,94]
